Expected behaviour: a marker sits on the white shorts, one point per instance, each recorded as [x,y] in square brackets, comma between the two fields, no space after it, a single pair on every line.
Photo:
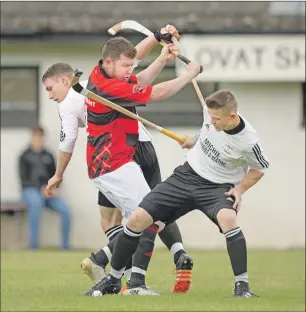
[125,187]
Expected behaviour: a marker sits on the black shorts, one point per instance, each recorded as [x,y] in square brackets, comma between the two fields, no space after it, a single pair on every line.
[145,156]
[183,192]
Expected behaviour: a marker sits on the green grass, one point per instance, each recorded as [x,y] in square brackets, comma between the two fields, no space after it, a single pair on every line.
[53,281]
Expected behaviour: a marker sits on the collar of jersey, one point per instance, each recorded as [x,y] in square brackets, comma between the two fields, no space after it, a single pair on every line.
[237,129]
[102,71]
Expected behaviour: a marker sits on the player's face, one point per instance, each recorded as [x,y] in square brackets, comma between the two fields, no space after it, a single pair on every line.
[221,119]
[122,68]
[57,88]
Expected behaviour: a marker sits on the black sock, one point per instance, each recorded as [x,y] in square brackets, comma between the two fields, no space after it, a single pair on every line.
[142,256]
[125,246]
[172,238]
[113,232]
[103,256]
[236,247]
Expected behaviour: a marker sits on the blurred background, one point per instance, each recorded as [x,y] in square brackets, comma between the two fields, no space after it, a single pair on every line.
[254,49]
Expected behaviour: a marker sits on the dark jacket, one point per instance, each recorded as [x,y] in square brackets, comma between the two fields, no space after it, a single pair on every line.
[36,168]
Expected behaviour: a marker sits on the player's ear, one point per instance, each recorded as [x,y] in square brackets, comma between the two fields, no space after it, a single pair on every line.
[65,80]
[107,60]
[233,114]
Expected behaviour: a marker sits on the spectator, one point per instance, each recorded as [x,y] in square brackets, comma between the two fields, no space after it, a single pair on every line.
[36,167]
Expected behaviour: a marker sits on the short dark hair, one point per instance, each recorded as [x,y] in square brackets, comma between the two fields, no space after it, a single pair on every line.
[222,99]
[38,130]
[56,70]
[114,47]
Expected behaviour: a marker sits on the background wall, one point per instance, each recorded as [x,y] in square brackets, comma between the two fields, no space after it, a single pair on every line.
[273,212]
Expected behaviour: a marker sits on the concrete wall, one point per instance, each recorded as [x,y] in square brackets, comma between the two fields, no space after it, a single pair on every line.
[273,212]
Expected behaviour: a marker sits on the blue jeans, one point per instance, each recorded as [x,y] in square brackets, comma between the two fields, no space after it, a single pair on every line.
[32,197]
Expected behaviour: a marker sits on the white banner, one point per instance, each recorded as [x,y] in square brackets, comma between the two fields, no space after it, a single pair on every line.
[246,57]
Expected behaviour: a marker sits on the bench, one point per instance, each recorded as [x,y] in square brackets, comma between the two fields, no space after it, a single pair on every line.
[12,237]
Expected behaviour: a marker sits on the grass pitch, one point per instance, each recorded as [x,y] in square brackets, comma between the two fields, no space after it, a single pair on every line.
[53,281]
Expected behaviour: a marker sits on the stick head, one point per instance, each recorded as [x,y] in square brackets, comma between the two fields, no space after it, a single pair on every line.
[76,76]
[129,24]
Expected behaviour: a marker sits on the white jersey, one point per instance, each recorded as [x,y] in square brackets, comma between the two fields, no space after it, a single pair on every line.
[226,157]
[72,112]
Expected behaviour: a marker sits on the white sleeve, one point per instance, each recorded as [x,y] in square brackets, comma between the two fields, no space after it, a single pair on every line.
[256,159]
[206,115]
[69,128]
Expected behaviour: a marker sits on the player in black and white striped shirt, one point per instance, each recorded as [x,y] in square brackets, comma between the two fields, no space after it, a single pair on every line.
[224,161]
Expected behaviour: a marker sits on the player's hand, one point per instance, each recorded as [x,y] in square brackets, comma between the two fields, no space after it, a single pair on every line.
[193,68]
[166,52]
[170,29]
[54,182]
[237,194]
[189,141]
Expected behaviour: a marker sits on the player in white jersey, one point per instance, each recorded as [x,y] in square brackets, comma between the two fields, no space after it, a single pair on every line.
[72,112]
[225,160]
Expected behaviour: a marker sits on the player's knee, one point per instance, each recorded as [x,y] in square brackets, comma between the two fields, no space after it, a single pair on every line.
[227,219]
[139,220]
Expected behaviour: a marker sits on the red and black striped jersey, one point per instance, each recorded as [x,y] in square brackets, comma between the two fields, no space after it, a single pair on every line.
[112,136]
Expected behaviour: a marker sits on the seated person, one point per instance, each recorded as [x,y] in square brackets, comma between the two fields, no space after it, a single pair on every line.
[36,167]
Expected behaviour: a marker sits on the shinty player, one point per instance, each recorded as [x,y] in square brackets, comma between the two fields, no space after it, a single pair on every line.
[72,113]
[112,136]
[224,161]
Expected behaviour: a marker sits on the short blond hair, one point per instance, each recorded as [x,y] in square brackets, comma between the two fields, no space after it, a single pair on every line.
[56,70]
[222,99]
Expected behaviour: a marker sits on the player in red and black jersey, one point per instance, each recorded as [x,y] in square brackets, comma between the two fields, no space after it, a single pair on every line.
[112,137]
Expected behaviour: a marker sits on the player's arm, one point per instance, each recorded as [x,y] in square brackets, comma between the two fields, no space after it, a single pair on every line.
[190,140]
[148,75]
[145,46]
[250,180]
[168,88]
[63,159]
[258,164]
[134,93]
[68,137]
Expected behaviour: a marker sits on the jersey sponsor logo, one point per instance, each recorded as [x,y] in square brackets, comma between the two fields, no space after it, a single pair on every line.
[207,126]
[211,152]
[89,102]
[139,89]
